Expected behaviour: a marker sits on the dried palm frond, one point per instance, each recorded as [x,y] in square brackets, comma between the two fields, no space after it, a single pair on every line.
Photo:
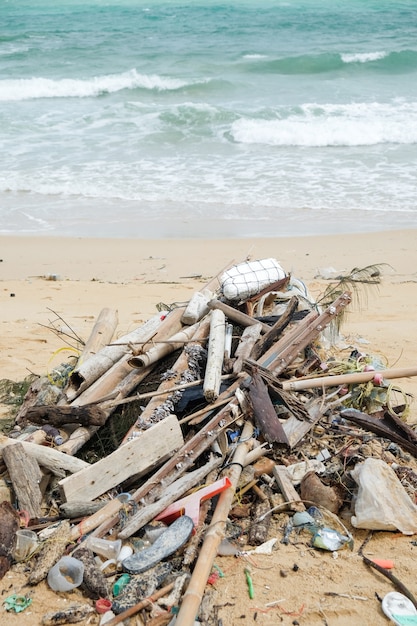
[354,281]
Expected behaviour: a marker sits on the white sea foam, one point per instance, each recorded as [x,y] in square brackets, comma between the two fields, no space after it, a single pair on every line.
[38,87]
[361,124]
[363,57]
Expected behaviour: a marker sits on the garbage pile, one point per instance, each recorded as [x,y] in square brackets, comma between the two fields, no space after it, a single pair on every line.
[242,433]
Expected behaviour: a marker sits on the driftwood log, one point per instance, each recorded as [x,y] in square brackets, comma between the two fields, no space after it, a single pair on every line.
[197,307]
[247,341]
[60,415]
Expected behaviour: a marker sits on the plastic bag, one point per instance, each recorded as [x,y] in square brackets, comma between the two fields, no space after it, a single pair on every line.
[246,279]
[382,502]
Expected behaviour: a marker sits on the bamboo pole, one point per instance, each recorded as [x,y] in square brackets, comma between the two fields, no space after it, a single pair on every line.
[347,379]
[161,350]
[215,533]
[90,370]
[101,335]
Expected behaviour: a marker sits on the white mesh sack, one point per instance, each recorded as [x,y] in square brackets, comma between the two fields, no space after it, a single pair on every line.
[246,279]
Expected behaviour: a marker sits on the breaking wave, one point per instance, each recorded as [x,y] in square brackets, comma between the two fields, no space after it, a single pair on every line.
[38,87]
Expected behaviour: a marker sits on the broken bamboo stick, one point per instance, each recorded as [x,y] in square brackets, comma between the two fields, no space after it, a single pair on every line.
[347,379]
[274,332]
[171,493]
[101,335]
[161,350]
[214,535]
[179,367]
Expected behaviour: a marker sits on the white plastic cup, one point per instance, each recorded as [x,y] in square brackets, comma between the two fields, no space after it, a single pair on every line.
[66,574]
[26,543]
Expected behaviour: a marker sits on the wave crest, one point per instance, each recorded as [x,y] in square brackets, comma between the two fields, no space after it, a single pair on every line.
[38,87]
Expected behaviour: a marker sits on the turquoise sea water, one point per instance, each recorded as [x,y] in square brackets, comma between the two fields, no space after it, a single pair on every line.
[132,118]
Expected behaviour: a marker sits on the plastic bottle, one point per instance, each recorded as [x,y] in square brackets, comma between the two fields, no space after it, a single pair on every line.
[120,584]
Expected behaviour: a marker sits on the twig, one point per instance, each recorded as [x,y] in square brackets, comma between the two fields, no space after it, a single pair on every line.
[392,578]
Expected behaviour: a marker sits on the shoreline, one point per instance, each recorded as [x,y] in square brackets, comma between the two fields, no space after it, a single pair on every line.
[302,223]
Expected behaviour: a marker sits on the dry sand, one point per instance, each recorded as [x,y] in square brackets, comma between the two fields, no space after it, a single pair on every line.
[48,283]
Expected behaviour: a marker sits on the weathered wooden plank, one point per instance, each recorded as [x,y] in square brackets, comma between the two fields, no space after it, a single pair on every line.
[8,526]
[134,458]
[26,476]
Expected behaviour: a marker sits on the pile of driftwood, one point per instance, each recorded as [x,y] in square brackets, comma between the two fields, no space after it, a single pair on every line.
[246,381]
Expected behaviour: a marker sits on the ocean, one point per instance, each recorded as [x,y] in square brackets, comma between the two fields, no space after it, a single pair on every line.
[131,118]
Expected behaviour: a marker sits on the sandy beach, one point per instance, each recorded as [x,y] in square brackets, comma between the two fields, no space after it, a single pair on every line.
[43,278]
[58,284]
